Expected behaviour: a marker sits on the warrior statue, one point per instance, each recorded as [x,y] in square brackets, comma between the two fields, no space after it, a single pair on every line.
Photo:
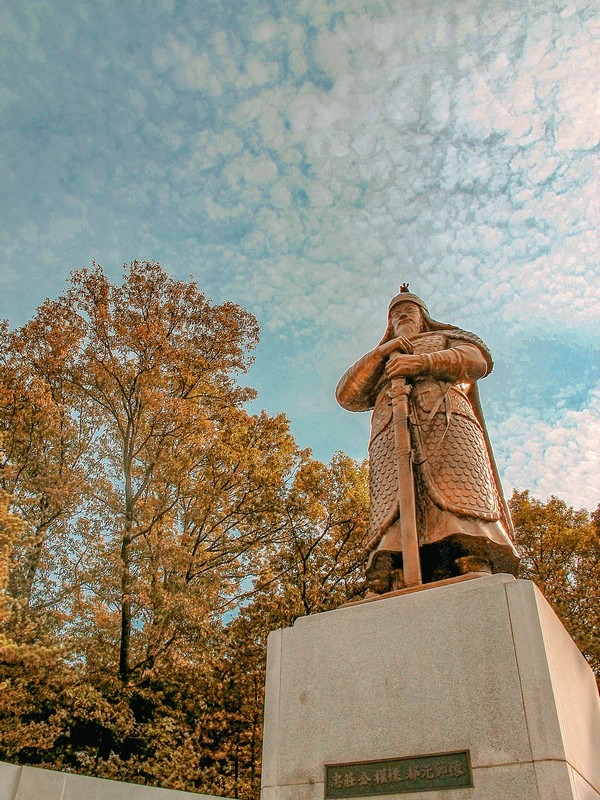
[437,508]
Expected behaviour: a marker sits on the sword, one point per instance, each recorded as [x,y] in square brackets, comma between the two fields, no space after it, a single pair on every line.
[398,394]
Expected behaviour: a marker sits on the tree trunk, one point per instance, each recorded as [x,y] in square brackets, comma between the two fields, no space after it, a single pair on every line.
[126,564]
[125,604]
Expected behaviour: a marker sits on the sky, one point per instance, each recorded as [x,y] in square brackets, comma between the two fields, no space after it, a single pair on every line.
[305,157]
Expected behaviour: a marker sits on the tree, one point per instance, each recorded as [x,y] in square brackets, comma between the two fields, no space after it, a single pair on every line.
[10,529]
[114,396]
[314,563]
[41,469]
[145,490]
[29,667]
[561,553]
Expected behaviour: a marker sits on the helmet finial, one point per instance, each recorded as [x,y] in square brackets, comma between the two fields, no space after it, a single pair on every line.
[406,296]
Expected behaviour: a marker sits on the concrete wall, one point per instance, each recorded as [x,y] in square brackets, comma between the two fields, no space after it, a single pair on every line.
[30,783]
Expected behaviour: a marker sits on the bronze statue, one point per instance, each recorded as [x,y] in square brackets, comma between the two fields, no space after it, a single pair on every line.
[437,508]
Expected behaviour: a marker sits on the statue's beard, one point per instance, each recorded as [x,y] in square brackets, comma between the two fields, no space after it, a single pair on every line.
[407,328]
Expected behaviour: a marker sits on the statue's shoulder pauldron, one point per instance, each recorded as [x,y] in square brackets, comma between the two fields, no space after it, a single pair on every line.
[433,341]
[430,342]
[471,338]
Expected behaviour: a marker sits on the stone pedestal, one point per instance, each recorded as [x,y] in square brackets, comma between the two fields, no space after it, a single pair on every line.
[483,666]
[32,783]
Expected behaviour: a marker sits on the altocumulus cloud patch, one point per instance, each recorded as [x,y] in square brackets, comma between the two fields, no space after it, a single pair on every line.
[303,161]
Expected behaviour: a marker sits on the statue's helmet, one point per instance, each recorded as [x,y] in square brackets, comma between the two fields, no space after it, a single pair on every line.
[405,296]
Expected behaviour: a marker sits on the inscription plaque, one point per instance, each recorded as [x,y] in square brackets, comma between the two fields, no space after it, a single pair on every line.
[400,775]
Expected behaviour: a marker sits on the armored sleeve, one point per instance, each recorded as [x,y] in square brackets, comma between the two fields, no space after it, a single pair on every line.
[462,361]
[356,388]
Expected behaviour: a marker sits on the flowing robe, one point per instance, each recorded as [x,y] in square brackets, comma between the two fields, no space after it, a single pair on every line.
[457,491]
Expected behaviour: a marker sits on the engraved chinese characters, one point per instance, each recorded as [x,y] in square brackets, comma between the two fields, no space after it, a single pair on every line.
[434,772]
[437,508]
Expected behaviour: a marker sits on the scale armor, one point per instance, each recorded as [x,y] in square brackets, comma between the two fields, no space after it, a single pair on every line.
[444,431]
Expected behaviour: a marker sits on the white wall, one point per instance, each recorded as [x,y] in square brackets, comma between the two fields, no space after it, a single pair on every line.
[30,783]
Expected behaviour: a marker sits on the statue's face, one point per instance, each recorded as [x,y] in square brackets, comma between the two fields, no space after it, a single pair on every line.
[406,319]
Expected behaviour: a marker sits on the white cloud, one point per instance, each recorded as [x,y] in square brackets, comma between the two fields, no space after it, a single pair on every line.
[7,274]
[331,51]
[220,213]
[577,95]
[24,29]
[559,456]
[265,32]
[307,175]
[192,69]
[7,97]
[250,170]
[260,71]
[210,146]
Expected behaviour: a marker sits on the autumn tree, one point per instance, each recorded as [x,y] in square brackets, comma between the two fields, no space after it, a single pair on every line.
[28,662]
[11,527]
[318,558]
[43,441]
[144,486]
[165,531]
[560,549]
[114,397]
[314,563]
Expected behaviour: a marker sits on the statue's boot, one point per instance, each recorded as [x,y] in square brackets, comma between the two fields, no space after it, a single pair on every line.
[379,572]
[467,564]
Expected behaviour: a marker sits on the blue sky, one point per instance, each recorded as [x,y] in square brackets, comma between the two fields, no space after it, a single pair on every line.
[304,158]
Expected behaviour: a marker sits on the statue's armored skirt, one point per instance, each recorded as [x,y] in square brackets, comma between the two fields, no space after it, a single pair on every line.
[459,503]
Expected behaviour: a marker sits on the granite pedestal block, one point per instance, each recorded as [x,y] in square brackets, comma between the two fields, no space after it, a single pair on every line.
[482,666]
[32,783]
